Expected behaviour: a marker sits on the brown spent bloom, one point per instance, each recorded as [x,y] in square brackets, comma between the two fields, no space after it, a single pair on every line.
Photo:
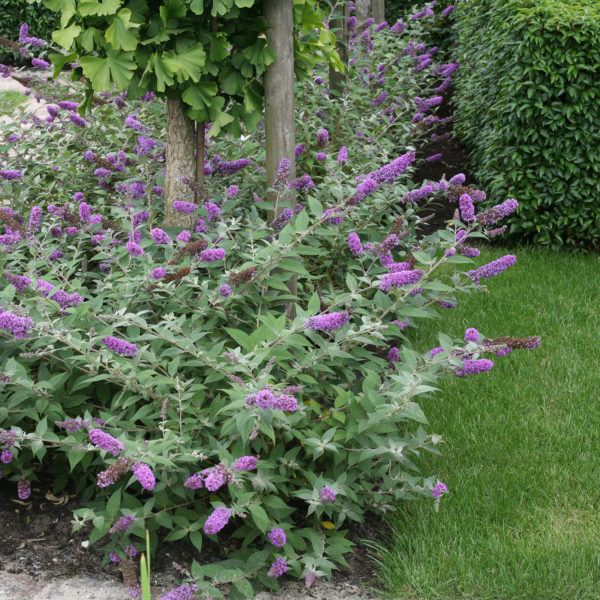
[129,573]
[9,44]
[103,163]
[178,275]
[456,191]
[190,249]
[397,226]
[70,217]
[115,471]
[513,343]
[10,222]
[242,276]
[108,224]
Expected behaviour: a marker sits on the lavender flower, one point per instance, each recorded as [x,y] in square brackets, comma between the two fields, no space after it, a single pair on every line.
[106,441]
[144,475]
[194,482]
[494,214]
[160,237]
[145,146]
[391,171]
[493,268]
[114,557]
[217,520]
[471,335]
[381,26]
[277,537]
[212,254]
[18,281]
[130,551]
[299,150]
[184,592]
[327,494]
[380,99]
[134,249]
[283,172]
[185,207]
[133,123]
[342,156]
[120,346]
[471,367]
[447,10]
[321,156]
[35,218]
[245,463]
[434,157]
[467,210]
[322,137]
[201,226]
[230,168]
[6,457]
[18,326]
[285,403]
[68,105]
[123,524]
[333,220]
[399,279]
[278,568]
[232,191]
[184,237]
[77,120]
[393,354]
[438,489]
[9,174]
[328,321]
[458,179]
[140,218]
[39,63]
[24,489]
[302,183]
[214,212]
[224,291]
[354,244]
[282,219]
[419,194]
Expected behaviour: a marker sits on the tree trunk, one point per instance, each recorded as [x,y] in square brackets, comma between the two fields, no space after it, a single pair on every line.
[180,162]
[280,126]
[378,8]
[363,11]
[199,179]
[340,28]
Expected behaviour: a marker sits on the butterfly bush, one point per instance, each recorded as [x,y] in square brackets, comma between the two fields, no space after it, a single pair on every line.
[240,382]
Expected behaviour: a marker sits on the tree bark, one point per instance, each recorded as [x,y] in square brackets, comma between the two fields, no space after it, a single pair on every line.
[363,11]
[340,28]
[180,162]
[280,126]
[378,10]
[199,179]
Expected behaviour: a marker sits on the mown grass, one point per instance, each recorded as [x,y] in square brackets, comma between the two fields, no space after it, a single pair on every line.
[522,448]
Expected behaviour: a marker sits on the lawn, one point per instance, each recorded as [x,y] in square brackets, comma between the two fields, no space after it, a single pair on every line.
[521,456]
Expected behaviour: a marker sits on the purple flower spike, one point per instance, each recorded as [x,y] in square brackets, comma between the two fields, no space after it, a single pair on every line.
[245,463]
[160,237]
[277,537]
[328,321]
[493,268]
[467,210]
[354,244]
[278,568]
[217,520]
[225,291]
[185,207]
[143,473]
[106,441]
[327,494]
[399,278]
[184,592]
[120,346]
[212,254]
[472,335]
[24,489]
[471,367]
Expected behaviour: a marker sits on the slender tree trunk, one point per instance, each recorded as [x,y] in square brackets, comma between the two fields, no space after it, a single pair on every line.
[199,179]
[378,10]
[180,162]
[340,28]
[363,11]
[280,126]
[280,123]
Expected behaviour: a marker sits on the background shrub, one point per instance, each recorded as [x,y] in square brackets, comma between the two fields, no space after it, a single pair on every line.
[42,22]
[527,106]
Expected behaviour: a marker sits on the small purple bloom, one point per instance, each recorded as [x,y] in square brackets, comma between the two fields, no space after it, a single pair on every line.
[328,321]
[327,494]
[276,537]
[106,441]
[467,210]
[212,254]
[185,207]
[438,489]
[77,120]
[278,568]
[160,237]
[217,520]
[471,367]
[24,489]
[472,335]
[134,249]
[143,473]
[321,156]
[354,244]
[399,279]
[225,291]
[493,268]
[232,191]
[120,346]
[158,273]
[39,63]
[214,212]
[9,174]
[245,463]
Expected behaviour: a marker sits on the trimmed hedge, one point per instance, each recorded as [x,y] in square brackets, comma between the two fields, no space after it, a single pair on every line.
[528,108]
[42,22]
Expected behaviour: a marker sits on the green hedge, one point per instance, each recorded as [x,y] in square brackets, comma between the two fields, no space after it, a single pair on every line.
[13,13]
[528,107]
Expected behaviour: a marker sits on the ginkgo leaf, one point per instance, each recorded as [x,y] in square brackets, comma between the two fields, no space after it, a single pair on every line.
[101,8]
[200,95]
[119,34]
[188,64]
[118,67]
[64,37]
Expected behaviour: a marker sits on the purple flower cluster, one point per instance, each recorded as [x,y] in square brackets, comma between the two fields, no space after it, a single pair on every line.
[224,291]
[278,568]
[354,244]
[266,399]
[160,237]
[493,268]
[24,489]
[134,123]
[212,254]
[143,473]
[217,477]
[106,441]
[391,171]
[229,168]
[471,367]
[419,194]
[342,156]
[217,520]
[134,248]
[333,220]
[283,172]
[328,321]
[120,346]
[123,524]
[327,494]
[284,217]
[18,326]
[322,137]
[467,210]
[140,218]
[302,183]
[277,537]
[9,174]
[472,335]
[214,212]
[185,207]
[490,216]
[399,278]
[184,592]
[438,489]
[19,281]
[245,463]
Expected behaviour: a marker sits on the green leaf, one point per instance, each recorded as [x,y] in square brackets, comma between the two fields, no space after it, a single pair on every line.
[196,539]
[259,53]
[259,516]
[102,8]
[118,66]
[188,64]
[64,37]
[118,35]
[220,121]
[243,339]
[221,7]
[60,60]
[243,586]
[197,6]
[218,48]
[59,5]
[200,95]
[113,504]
